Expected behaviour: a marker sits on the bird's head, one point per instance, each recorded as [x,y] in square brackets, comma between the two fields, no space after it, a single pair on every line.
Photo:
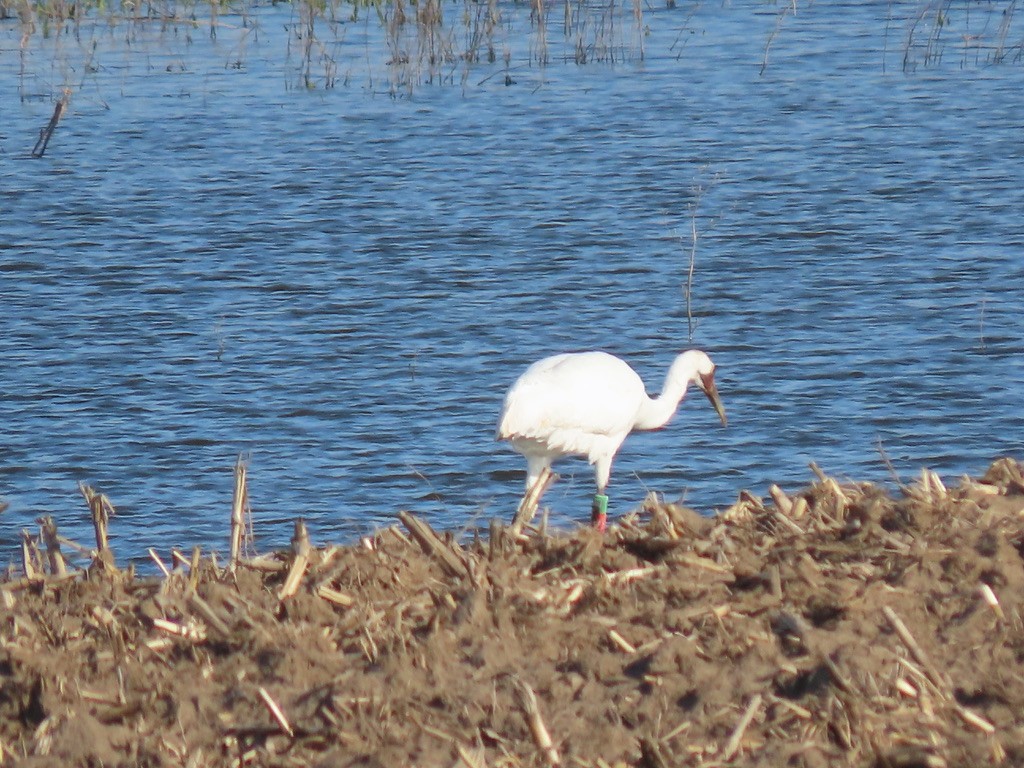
[698,368]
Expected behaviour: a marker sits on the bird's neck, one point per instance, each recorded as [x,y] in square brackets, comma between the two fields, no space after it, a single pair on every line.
[656,412]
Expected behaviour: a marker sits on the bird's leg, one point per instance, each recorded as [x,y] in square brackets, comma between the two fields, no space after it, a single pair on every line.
[599,512]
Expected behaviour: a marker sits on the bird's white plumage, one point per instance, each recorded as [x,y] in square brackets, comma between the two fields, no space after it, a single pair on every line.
[570,402]
[586,403]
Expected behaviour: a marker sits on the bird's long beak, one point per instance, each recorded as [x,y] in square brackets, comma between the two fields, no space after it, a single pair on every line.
[709,388]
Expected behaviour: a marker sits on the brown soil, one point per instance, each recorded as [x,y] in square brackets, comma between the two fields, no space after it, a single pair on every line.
[835,627]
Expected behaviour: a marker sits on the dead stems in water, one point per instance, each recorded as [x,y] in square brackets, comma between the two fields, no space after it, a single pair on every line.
[46,133]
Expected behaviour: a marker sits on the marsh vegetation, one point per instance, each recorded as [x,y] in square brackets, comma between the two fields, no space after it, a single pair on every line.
[418,42]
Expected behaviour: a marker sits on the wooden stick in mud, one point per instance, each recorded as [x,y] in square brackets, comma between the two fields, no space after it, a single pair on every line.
[528,506]
[44,134]
[300,551]
[453,564]
[239,504]
[541,737]
[48,528]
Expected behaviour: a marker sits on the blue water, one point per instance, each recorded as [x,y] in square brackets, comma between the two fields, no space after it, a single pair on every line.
[339,281]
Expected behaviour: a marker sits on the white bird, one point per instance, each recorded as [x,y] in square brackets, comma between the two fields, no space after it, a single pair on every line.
[586,403]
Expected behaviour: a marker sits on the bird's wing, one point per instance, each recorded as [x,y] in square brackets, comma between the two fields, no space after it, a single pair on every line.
[568,401]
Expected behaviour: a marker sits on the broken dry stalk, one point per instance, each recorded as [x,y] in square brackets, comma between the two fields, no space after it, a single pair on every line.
[784,509]
[209,615]
[528,506]
[239,510]
[975,721]
[782,501]
[915,650]
[48,529]
[931,486]
[452,562]
[621,642]
[472,757]
[28,549]
[159,563]
[45,134]
[101,511]
[904,687]
[193,568]
[531,709]
[733,745]
[300,550]
[332,595]
[186,631]
[991,600]
[630,575]
[275,711]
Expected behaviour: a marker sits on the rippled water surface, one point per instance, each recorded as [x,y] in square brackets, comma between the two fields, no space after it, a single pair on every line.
[341,280]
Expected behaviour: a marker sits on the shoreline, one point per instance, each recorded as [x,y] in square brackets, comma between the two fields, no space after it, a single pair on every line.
[839,626]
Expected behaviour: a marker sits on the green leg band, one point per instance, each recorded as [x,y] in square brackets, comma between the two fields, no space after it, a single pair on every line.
[599,513]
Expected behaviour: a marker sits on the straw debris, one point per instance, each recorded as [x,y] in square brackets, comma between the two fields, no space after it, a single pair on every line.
[836,625]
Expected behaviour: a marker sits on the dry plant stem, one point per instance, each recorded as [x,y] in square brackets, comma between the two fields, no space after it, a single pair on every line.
[46,133]
[453,564]
[539,731]
[782,501]
[818,472]
[767,687]
[689,272]
[528,506]
[332,595]
[783,509]
[193,568]
[209,615]
[991,601]
[300,550]
[27,561]
[621,642]
[239,505]
[495,539]
[159,563]
[733,745]
[275,711]
[651,754]
[184,631]
[976,721]
[471,758]
[915,650]
[101,511]
[53,554]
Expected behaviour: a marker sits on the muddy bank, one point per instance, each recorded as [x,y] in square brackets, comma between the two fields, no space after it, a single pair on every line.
[835,626]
